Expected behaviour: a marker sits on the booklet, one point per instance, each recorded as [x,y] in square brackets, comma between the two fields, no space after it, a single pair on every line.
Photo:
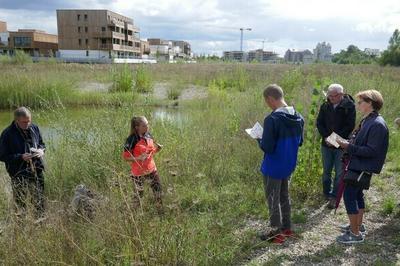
[256,131]
[333,138]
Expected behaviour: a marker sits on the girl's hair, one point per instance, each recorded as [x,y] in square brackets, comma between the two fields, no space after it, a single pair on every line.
[135,122]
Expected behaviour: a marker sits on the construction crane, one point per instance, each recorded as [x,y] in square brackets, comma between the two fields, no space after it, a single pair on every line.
[241,37]
[233,28]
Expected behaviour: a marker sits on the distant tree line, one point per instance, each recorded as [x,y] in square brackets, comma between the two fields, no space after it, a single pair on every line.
[391,56]
[353,55]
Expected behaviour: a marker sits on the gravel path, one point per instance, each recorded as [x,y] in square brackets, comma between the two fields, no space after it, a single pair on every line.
[315,241]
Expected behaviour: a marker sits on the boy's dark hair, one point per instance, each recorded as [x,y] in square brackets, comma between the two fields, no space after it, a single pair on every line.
[273,91]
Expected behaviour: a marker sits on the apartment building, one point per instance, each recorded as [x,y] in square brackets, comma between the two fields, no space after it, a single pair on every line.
[96,35]
[144,47]
[239,56]
[372,52]
[301,56]
[322,52]
[36,43]
[182,49]
[161,49]
[260,55]
[4,37]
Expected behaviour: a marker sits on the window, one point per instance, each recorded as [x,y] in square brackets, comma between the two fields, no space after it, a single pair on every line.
[87,53]
[87,41]
[22,41]
[80,42]
[86,29]
[103,28]
[78,17]
[85,16]
[79,29]
[103,41]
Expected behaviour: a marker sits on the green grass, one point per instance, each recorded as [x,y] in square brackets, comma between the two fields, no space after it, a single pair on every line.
[216,182]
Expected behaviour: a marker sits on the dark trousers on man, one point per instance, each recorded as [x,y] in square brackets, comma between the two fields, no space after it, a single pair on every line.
[29,186]
[331,158]
[277,195]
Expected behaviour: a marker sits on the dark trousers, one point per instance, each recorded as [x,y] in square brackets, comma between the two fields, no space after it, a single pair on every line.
[331,158]
[155,185]
[25,186]
[277,195]
[353,199]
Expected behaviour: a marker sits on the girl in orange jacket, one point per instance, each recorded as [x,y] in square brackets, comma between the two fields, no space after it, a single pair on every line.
[139,150]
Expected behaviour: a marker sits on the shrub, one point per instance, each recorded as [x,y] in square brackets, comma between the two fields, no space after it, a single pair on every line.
[143,80]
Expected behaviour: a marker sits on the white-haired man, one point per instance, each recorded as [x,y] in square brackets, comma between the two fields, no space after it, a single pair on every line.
[22,149]
[337,114]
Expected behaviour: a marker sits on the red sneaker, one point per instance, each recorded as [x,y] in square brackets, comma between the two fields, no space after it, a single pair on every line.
[278,239]
[287,233]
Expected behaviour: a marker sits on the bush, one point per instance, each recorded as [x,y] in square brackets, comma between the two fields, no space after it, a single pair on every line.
[388,205]
[143,80]
[22,58]
[123,79]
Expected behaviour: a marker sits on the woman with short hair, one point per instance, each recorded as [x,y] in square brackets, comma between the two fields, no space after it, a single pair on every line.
[367,151]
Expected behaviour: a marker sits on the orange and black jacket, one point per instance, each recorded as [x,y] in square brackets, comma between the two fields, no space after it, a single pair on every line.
[136,146]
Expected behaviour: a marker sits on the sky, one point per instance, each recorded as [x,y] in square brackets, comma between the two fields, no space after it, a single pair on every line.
[212,26]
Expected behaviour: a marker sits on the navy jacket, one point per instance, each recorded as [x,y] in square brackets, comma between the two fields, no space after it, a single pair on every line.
[282,136]
[13,145]
[368,150]
[340,120]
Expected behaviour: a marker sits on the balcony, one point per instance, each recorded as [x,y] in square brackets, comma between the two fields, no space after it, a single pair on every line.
[132,28]
[115,22]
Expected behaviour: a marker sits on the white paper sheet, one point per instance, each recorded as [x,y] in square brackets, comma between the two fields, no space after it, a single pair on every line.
[333,138]
[256,131]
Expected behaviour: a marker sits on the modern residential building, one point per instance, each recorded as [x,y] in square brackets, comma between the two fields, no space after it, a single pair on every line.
[262,56]
[144,47]
[36,43]
[161,49]
[182,49]
[96,35]
[322,52]
[301,56]
[169,49]
[4,37]
[239,56]
[372,52]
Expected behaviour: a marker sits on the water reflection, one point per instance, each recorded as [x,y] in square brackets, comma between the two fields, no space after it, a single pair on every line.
[170,115]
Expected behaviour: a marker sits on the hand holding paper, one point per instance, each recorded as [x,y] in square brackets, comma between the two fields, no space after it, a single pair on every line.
[335,140]
[256,131]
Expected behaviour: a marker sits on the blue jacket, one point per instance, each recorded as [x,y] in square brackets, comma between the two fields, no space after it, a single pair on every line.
[282,136]
[13,145]
[368,150]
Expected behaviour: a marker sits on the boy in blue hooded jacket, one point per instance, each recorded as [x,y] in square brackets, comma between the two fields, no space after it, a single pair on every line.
[282,136]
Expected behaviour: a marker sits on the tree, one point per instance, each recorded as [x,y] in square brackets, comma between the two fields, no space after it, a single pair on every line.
[391,56]
[353,55]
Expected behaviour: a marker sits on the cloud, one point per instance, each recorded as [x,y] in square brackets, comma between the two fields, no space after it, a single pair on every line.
[213,25]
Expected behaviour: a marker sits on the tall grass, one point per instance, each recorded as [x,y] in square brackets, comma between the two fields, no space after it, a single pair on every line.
[209,167]
[123,79]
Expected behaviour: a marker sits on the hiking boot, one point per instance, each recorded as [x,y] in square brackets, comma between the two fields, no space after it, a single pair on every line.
[278,239]
[287,233]
[269,235]
[345,228]
[350,238]
[331,204]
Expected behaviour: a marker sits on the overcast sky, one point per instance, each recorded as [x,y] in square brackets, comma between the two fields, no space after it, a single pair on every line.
[212,26]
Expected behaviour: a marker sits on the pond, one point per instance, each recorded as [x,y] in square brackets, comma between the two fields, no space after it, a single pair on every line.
[52,123]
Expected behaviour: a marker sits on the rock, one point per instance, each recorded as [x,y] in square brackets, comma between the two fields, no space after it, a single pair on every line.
[83,202]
